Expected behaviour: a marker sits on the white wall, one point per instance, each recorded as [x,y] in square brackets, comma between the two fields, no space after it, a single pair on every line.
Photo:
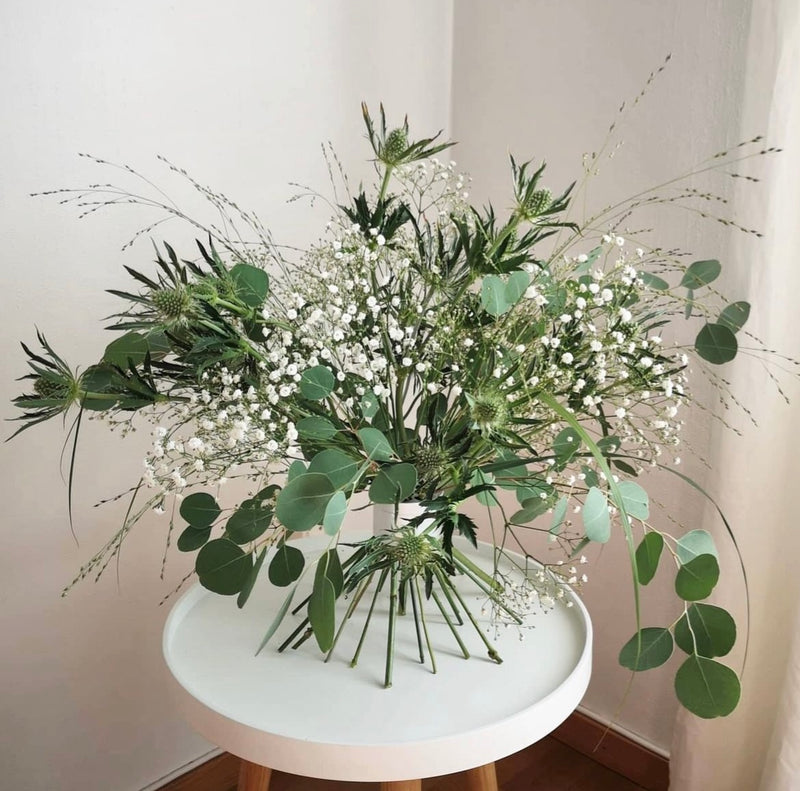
[242,94]
[544,80]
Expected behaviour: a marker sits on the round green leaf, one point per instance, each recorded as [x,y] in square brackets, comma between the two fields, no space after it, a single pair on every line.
[700,273]
[317,383]
[735,315]
[648,553]
[716,343]
[316,427]
[267,493]
[249,521]
[635,500]
[130,348]
[697,578]
[193,538]
[335,512]
[301,503]
[609,445]
[375,444]
[714,631]
[337,465]
[296,468]
[707,688]
[694,543]
[286,565]
[566,445]
[199,509]
[330,567]
[487,497]
[531,508]
[369,404]
[394,483]
[652,281]
[250,580]
[322,614]
[652,649]
[596,520]
[559,514]
[222,567]
[493,295]
[516,286]
[251,284]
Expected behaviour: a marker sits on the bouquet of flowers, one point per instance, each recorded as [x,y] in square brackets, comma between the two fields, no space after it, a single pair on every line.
[423,350]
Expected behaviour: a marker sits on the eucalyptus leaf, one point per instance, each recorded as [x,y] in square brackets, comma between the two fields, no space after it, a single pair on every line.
[696,579]
[493,295]
[249,521]
[531,508]
[222,567]
[734,316]
[317,383]
[653,281]
[716,344]
[648,648]
[516,286]
[286,565]
[635,500]
[394,483]
[566,445]
[315,427]
[335,512]
[250,581]
[129,349]
[707,688]
[648,553]
[322,614]
[337,465]
[375,444]
[200,509]
[700,274]
[250,283]
[301,503]
[694,543]
[596,519]
[486,497]
[559,514]
[193,538]
[705,630]
[296,468]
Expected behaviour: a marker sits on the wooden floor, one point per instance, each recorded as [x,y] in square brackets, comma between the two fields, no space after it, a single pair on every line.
[548,765]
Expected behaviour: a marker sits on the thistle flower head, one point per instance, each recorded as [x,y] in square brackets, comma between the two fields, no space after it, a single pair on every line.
[171,303]
[411,551]
[489,411]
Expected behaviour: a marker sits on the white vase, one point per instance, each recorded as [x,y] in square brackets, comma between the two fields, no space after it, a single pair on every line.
[387,518]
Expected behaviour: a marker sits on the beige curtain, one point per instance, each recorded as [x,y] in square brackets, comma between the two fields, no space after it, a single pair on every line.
[758,478]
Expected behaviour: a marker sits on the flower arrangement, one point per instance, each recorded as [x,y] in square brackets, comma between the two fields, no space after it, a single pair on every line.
[425,350]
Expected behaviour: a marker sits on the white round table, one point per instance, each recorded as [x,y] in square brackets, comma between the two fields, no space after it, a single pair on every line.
[295,713]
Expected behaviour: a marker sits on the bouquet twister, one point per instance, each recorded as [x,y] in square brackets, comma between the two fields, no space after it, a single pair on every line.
[423,350]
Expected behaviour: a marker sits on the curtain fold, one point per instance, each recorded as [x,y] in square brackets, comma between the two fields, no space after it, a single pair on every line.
[758,747]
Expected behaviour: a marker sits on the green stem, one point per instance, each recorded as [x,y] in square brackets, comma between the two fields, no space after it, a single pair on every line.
[491,650]
[381,580]
[415,593]
[353,604]
[285,644]
[387,681]
[453,629]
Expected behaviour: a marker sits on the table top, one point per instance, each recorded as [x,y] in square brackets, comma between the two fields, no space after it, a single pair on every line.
[295,713]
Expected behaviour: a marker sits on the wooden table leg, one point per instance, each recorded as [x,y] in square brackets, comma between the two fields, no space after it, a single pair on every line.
[402,785]
[481,778]
[253,777]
